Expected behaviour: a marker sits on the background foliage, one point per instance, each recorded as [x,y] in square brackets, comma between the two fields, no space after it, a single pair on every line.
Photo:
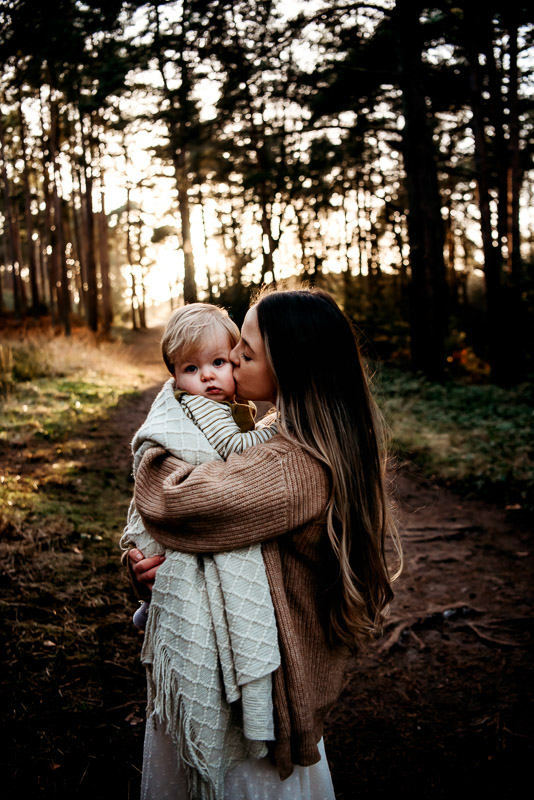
[183,150]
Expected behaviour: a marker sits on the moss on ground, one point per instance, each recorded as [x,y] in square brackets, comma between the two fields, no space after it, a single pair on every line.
[477,438]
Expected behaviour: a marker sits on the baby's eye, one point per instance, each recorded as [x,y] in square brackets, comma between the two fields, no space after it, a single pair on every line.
[190,368]
[219,362]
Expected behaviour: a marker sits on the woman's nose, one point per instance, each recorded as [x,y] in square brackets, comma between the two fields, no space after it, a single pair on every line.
[234,358]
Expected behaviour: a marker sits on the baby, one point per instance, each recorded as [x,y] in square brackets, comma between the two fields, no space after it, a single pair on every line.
[196,349]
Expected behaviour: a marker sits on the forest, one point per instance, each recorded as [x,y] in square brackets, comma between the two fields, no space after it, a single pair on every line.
[158,153]
[197,150]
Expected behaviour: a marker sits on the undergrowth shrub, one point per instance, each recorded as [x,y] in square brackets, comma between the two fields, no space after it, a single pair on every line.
[6,370]
[23,361]
[478,438]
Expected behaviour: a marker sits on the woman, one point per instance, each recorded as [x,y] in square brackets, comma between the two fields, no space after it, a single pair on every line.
[314,496]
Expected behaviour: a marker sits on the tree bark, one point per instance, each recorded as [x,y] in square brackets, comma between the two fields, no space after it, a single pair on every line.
[8,215]
[58,241]
[269,244]
[89,220]
[5,258]
[129,259]
[497,120]
[107,305]
[182,185]
[491,250]
[19,260]
[211,296]
[78,215]
[47,261]
[425,227]
[514,178]
[32,264]
[49,258]
[142,272]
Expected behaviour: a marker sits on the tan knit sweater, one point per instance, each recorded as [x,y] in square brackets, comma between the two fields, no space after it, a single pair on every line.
[275,494]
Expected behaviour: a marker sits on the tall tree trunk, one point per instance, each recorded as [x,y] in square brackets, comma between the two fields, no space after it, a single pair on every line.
[142,305]
[8,216]
[5,258]
[134,302]
[92,290]
[301,236]
[497,120]
[491,250]
[62,281]
[89,223]
[79,253]
[451,259]
[211,296]
[129,259]
[514,177]
[142,272]
[79,215]
[449,234]
[182,185]
[348,235]
[5,262]
[267,242]
[428,285]
[60,262]
[360,240]
[46,259]
[48,256]
[32,265]
[519,325]
[19,260]
[107,305]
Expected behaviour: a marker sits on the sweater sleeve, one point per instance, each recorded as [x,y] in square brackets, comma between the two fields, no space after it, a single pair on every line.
[217,424]
[218,506]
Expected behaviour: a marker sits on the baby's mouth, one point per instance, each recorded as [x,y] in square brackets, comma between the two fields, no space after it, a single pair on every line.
[213,390]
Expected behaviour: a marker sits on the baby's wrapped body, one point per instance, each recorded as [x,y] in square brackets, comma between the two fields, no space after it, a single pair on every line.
[211,636]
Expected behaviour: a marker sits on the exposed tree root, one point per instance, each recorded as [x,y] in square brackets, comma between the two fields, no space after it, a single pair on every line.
[485,637]
[417,534]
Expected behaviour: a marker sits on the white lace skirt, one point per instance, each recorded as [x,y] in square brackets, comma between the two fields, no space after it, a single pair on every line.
[256,779]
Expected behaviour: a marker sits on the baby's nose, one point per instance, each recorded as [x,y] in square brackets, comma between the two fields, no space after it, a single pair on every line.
[207,373]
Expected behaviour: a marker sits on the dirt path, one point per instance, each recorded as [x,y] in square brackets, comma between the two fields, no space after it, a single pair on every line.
[444,700]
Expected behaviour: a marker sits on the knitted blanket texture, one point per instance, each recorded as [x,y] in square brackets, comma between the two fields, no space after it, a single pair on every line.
[211,637]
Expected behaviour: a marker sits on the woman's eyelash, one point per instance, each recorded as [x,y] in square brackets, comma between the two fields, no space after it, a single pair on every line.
[244,357]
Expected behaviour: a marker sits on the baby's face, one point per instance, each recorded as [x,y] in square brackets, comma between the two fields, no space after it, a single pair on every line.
[208,371]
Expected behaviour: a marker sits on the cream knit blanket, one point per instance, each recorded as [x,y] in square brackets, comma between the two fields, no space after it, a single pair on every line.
[211,637]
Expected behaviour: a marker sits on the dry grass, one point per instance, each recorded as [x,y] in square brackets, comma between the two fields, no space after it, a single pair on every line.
[71,673]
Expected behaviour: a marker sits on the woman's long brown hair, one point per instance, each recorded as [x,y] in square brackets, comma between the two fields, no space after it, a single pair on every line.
[325,404]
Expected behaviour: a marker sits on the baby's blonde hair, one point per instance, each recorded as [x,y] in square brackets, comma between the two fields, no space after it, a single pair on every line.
[188,325]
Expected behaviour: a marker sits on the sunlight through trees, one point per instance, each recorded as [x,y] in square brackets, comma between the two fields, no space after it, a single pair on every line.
[172,151]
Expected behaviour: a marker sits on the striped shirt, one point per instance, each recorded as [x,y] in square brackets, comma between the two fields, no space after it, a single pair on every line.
[229,427]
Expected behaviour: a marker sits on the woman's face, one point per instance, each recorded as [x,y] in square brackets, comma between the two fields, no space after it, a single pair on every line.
[252,374]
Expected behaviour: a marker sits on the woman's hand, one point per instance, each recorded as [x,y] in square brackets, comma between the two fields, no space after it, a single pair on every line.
[144,569]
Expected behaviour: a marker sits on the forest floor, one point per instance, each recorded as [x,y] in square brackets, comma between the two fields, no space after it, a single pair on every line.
[441,703]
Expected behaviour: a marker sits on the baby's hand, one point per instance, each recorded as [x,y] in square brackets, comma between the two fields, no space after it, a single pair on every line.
[144,569]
